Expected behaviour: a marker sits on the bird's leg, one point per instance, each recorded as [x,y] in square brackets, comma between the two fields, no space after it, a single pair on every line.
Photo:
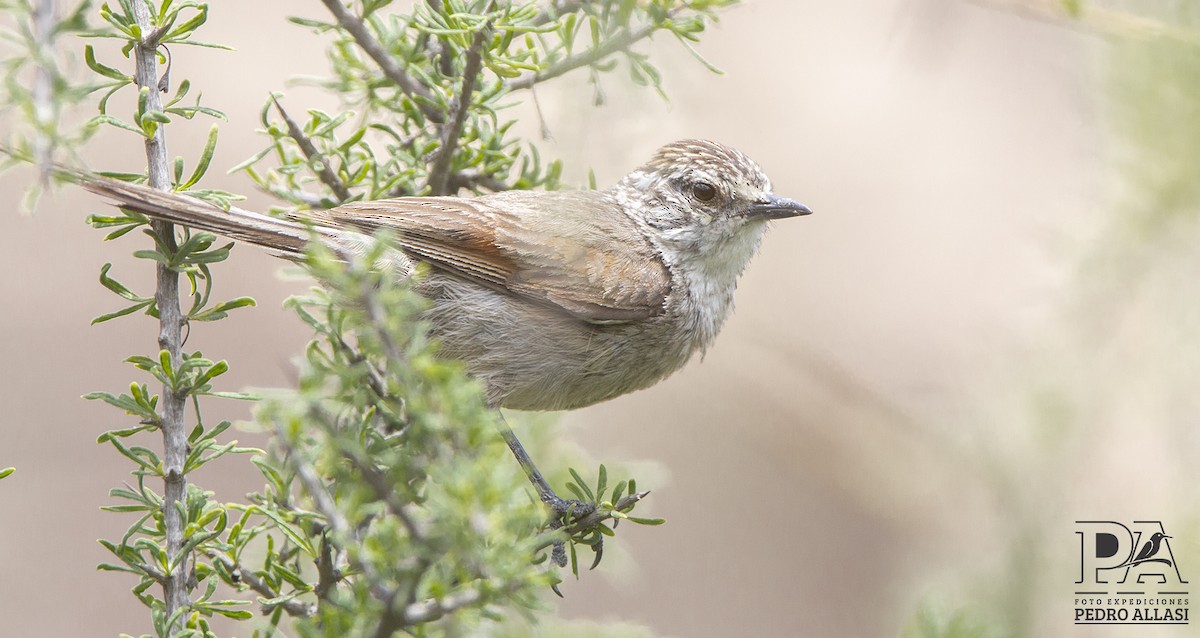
[560,506]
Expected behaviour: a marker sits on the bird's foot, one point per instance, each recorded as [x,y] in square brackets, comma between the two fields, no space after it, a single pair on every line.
[565,510]
[563,513]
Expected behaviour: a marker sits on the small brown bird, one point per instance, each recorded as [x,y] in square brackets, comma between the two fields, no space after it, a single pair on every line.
[556,300]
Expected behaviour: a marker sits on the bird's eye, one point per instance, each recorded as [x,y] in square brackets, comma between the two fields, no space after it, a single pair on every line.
[704,191]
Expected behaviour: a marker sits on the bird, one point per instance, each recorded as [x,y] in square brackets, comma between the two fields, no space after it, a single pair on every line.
[1150,549]
[556,300]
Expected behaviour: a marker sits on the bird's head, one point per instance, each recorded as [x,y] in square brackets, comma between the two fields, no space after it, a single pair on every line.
[707,204]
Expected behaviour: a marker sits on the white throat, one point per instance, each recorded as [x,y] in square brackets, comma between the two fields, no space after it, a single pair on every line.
[710,266]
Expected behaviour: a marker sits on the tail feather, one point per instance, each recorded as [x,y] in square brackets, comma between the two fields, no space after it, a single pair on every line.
[288,237]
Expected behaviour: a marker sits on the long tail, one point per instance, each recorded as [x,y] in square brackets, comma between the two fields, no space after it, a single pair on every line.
[286,236]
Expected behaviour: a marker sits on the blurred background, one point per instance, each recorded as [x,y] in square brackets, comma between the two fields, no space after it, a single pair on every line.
[985,333]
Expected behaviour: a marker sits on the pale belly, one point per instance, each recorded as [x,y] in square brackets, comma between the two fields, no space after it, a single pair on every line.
[534,357]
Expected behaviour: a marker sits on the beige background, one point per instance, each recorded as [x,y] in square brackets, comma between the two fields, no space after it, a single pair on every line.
[861,439]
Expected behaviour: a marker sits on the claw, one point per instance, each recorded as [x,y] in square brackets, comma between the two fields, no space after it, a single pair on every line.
[599,549]
[559,554]
[564,509]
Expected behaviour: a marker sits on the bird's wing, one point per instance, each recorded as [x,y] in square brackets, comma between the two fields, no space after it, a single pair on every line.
[1146,551]
[596,266]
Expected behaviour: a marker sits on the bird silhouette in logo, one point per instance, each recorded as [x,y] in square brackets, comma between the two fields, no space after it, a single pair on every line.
[1149,550]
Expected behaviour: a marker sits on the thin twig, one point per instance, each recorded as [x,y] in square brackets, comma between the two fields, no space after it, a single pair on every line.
[438,51]
[434,608]
[374,376]
[170,333]
[439,171]
[599,516]
[617,43]
[384,492]
[1102,20]
[43,90]
[354,25]
[391,621]
[430,610]
[378,321]
[590,520]
[327,574]
[474,177]
[324,171]
[292,607]
[557,8]
[314,487]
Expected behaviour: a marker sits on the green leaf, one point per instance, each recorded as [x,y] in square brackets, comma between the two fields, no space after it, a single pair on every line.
[236,614]
[7,471]
[214,371]
[109,567]
[241,396]
[181,32]
[116,286]
[153,255]
[145,458]
[89,56]
[112,121]
[206,156]
[290,531]
[250,161]
[221,310]
[582,485]
[618,491]
[646,521]
[602,483]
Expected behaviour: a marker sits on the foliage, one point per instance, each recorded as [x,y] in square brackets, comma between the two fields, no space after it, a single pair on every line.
[434,122]
[38,89]
[931,621]
[389,504]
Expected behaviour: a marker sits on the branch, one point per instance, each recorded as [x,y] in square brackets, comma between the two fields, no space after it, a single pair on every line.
[327,574]
[438,51]
[310,151]
[587,58]
[314,487]
[430,610]
[293,607]
[43,90]
[439,172]
[384,492]
[471,178]
[354,25]
[1108,22]
[374,378]
[598,516]
[170,333]
[556,9]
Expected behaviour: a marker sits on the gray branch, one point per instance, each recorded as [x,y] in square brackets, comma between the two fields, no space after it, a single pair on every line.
[324,171]
[378,482]
[556,8]
[598,516]
[43,89]
[429,610]
[293,607]
[473,177]
[439,172]
[617,43]
[170,334]
[394,72]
